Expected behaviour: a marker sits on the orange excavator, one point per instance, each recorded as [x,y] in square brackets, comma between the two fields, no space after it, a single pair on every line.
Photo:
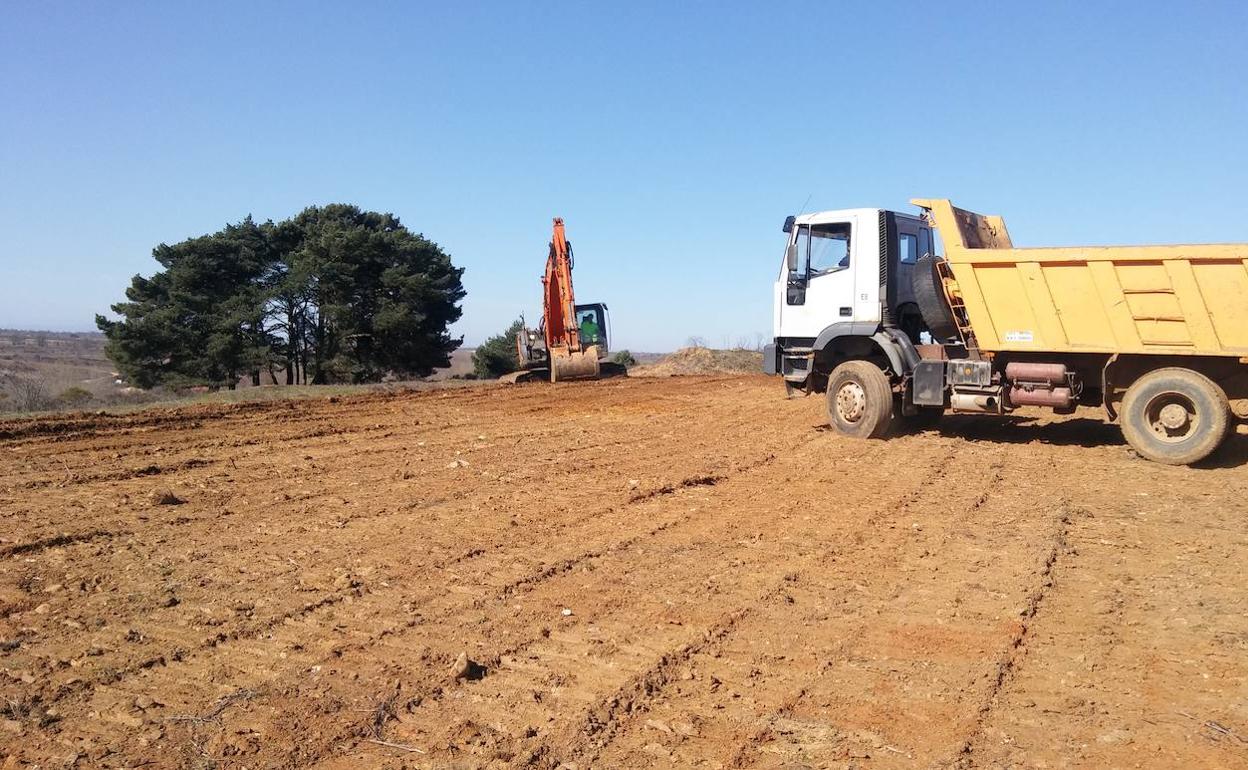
[571,342]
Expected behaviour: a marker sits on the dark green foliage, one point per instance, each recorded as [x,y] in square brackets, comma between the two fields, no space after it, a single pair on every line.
[497,355]
[384,296]
[624,358]
[335,294]
[200,320]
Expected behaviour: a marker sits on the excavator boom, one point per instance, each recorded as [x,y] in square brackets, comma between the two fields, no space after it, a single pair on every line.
[558,299]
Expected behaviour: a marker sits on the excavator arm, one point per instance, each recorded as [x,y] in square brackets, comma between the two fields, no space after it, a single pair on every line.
[558,300]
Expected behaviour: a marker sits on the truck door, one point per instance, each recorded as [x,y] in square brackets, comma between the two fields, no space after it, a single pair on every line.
[820,290]
[912,241]
[910,246]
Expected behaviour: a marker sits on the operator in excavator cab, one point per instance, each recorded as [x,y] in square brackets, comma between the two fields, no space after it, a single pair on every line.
[589,330]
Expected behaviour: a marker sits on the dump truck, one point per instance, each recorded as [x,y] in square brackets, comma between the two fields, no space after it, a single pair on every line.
[867,312]
[572,341]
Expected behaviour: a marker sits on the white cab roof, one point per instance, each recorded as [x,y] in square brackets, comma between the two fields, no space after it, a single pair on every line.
[842,215]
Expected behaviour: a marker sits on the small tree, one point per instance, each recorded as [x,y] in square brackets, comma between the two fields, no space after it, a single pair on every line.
[624,358]
[74,396]
[497,355]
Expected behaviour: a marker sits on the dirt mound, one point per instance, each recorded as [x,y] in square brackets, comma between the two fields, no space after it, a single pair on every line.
[702,361]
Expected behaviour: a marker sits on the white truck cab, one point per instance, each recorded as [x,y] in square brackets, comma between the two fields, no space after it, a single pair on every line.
[844,286]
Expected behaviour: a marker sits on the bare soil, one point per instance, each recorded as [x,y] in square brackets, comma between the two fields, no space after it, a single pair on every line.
[684,572]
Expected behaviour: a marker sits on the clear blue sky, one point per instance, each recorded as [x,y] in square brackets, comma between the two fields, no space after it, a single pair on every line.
[672,137]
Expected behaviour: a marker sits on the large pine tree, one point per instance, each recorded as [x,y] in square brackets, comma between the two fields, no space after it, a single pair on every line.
[335,294]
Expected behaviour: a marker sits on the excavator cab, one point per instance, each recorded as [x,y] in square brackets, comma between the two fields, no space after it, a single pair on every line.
[591,321]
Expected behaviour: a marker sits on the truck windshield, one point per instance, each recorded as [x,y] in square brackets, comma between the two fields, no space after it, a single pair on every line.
[829,248]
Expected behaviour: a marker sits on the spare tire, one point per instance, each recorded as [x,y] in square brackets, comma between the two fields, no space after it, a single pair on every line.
[929,295]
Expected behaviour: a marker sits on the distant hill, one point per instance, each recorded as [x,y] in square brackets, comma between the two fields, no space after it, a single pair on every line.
[60,359]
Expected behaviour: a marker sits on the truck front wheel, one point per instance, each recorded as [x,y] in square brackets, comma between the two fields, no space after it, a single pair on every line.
[860,401]
[1175,416]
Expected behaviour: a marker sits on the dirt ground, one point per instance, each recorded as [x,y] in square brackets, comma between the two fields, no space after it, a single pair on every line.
[685,572]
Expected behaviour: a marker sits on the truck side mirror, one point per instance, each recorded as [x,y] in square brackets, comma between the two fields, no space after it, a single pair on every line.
[790,257]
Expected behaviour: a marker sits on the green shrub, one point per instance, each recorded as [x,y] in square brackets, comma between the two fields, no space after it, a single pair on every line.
[74,396]
[497,355]
[624,358]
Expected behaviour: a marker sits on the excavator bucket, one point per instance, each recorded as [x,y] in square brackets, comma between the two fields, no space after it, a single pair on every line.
[581,365]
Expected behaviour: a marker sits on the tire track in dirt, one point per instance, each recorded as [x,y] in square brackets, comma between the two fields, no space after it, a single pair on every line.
[72,479]
[509,590]
[761,613]
[746,752]
[799,724]
[343,445]
[183,654]
[648,677]
[176,656]
[58,541]
[79,474]
[506,595]
[1016,649]
[382,451]
[1143,623]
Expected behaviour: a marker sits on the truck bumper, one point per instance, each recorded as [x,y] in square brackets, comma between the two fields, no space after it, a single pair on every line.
[771,360]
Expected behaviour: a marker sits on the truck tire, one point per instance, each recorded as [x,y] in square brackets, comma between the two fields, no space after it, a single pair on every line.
[1175,416]
[860,401]
[929,295]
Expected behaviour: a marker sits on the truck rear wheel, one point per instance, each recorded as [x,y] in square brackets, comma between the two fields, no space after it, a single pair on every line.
[1175,416]
[860,401]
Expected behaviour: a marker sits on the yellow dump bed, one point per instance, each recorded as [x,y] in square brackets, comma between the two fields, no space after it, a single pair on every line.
[1123,299]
